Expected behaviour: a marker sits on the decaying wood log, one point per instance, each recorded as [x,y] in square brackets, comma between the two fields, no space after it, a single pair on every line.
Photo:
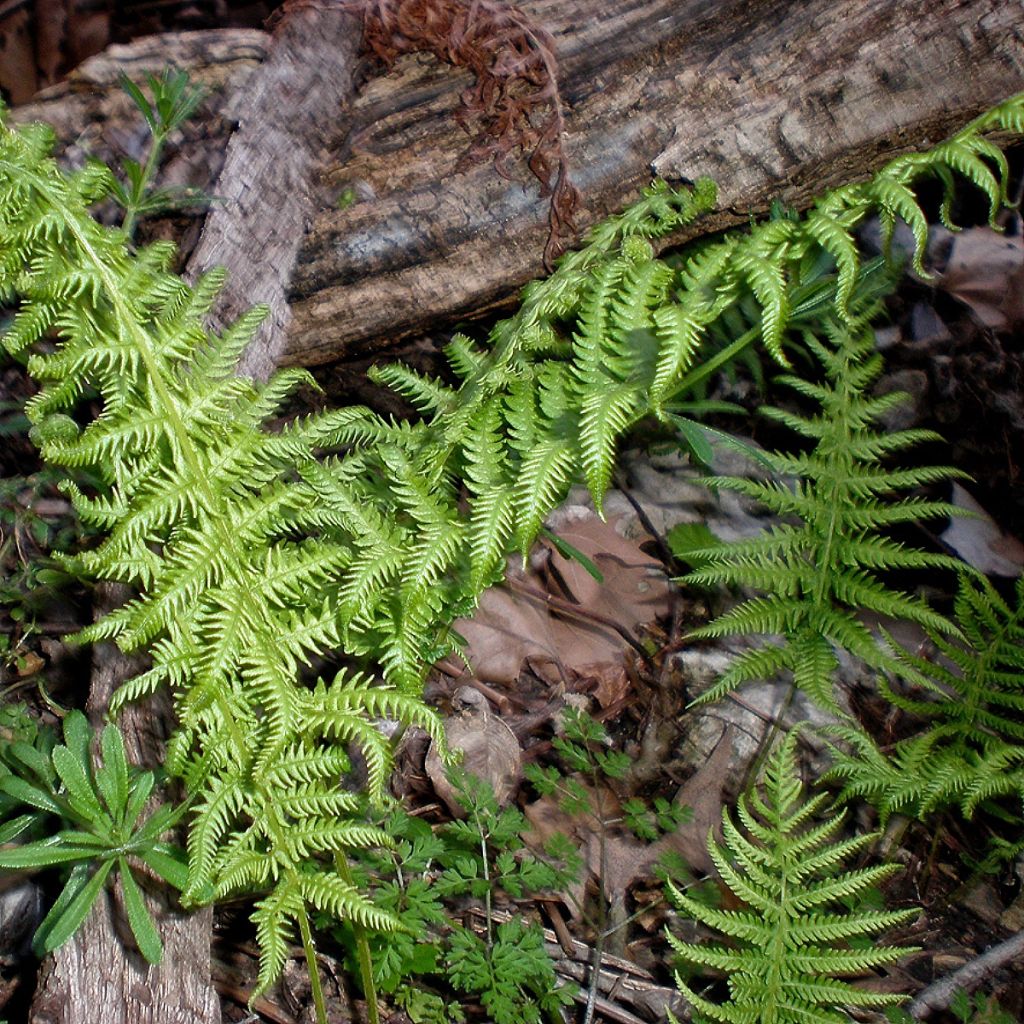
[97,975]
[772,100]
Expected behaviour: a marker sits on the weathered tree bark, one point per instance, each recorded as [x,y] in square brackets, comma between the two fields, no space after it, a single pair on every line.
[300,99]
[772,100]
[98,975]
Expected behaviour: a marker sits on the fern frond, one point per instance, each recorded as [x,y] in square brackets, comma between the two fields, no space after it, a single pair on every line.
[544,478]
[974,703]
[426,393]
[822,572]
[273,932]
[785,966]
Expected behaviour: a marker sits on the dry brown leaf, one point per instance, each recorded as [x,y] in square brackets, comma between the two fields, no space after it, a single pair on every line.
[517,622]
[985,272]
[29,664]
[626,859]
[17,57]
[980,542]
[490,751]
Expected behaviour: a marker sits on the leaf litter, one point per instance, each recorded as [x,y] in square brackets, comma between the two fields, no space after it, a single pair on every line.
[556,618]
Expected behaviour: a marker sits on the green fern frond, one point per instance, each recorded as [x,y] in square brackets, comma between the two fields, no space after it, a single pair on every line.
[821,573]
[544,477]
[784,965]
[211,512]
[426,393]
[273,932]
[973,698]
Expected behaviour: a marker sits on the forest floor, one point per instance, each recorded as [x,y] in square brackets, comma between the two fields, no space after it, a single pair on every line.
[556,637]
[601,626]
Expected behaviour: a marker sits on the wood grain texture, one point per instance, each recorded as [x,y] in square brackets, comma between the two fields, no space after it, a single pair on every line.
[265,196]
[771,100]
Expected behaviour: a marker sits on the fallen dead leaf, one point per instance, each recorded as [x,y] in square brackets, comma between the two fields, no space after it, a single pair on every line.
[984,271]
[490,751]
[562,621]
[29,664]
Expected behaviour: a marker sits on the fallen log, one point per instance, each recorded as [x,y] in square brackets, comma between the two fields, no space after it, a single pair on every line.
[772,101]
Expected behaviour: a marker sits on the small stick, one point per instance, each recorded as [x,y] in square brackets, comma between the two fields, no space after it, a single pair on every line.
[939,994]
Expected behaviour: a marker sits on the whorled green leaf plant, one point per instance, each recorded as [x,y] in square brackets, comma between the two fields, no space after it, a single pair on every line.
[255,551]
[98,811]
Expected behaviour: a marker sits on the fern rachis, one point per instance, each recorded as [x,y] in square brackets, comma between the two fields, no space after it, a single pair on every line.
[818,571]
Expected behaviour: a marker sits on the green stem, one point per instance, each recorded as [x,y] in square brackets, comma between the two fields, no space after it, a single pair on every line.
[487,878]
[720,358]
[364,960]
[311,965]
[602,904]
[131,213]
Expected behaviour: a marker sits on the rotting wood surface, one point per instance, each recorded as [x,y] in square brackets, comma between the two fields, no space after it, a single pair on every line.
[771,100]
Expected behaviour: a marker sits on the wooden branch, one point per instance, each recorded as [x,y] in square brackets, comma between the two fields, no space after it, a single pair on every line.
[772,100]
[939,994]
[264,194]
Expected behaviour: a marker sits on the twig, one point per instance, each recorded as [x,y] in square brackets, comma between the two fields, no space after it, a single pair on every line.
[608,1009]
[645,521]
[263,1008]
[939,994]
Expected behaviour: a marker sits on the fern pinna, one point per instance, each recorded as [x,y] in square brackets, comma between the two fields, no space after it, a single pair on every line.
[790,948]
[973,749]
[253,554]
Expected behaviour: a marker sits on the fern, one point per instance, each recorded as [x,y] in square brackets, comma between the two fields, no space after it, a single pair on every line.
[789,948]
[973,748]
[825,562]
[256,551]
[205,513]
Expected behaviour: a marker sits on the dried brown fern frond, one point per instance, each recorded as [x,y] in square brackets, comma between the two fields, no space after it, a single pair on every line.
[514,98]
